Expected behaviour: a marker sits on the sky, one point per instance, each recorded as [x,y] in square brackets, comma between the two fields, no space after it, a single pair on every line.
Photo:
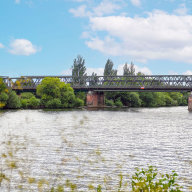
[43,37]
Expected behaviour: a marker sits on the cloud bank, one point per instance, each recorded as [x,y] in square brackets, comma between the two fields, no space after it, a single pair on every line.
[158,36]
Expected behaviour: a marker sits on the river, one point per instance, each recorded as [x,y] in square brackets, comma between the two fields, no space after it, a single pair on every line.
[95,146]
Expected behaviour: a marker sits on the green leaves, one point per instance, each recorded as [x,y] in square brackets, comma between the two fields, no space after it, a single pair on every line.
[57,94]
[150,180]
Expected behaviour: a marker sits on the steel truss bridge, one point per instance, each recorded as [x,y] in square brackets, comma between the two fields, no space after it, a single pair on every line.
[155,83]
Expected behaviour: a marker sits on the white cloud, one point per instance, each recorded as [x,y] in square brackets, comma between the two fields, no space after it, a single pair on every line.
[136,3]
[1,46]
[17,1]
[105,7]
[188,72]
[182,10]
[157,36]
[81,11]
[22,47]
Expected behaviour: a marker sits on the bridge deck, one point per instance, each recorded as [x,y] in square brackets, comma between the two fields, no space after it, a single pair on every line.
[109,83]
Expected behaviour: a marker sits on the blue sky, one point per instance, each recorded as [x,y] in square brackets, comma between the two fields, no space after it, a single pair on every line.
[42,37]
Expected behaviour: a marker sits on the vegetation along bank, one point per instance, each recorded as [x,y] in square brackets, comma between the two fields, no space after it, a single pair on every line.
[54,94]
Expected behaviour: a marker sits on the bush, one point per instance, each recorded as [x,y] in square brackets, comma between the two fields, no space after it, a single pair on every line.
[53,104]
[118,103]
[109,102]
[13,101]
[27,95]
[79,102]
[3,99]
[33,102]
[56,94]
[24,103]
[81,95]
[150,180]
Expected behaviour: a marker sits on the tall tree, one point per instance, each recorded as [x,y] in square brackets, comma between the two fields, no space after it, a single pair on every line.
[132,69]
[78,70]
[109,71]
[126,70]
[129,69]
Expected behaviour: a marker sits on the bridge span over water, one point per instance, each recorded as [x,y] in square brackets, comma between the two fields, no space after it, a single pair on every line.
[110,83]
[97,85]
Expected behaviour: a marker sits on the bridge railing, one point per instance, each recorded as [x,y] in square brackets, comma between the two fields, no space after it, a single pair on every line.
[151,82]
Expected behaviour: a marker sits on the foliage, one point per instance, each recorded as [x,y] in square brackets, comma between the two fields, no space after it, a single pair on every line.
[26,95]
[118,103]
[129,70]
[3,99]
[81,95]
[3,94]
[53,103]
[13,101]
[55,93]
[33,102]
[2,86]
[22,82]
[109,102]
[78,70]
[109,71]
[150,180]
[79,102]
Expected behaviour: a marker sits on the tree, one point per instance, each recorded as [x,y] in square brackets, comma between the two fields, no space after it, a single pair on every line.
[126,71]
[13,101]
[56,94]
[78,70]
[132,69]
[94,79]
[109,71]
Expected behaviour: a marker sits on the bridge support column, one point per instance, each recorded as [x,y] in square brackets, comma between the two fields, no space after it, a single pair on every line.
[95,99]
[190,102]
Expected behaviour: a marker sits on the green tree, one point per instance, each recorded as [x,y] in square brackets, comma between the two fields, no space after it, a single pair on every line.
[79,70]
[129,70]
[55,93]
[126,71]
[13,101]
[109,71]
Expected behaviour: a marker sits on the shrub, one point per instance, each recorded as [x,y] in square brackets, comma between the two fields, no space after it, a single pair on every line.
[53,104]
[109,102]
[118,103]
[150,180]
[24,103]
[79,102]
[27,95]
[33,102]
[13,101]
[3,99]
[56,94]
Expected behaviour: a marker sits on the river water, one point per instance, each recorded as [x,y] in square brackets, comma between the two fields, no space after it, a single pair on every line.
[95,146]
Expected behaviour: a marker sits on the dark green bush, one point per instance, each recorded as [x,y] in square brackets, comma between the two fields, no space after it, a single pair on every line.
[53,104]
[13,101]
[109,102]
[33,102]
[26,95]
[24,103]
[4,97]
[79,102]
[118,103]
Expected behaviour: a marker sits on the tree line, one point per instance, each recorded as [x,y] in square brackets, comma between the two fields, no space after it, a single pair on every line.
[52,93]
[130,99]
